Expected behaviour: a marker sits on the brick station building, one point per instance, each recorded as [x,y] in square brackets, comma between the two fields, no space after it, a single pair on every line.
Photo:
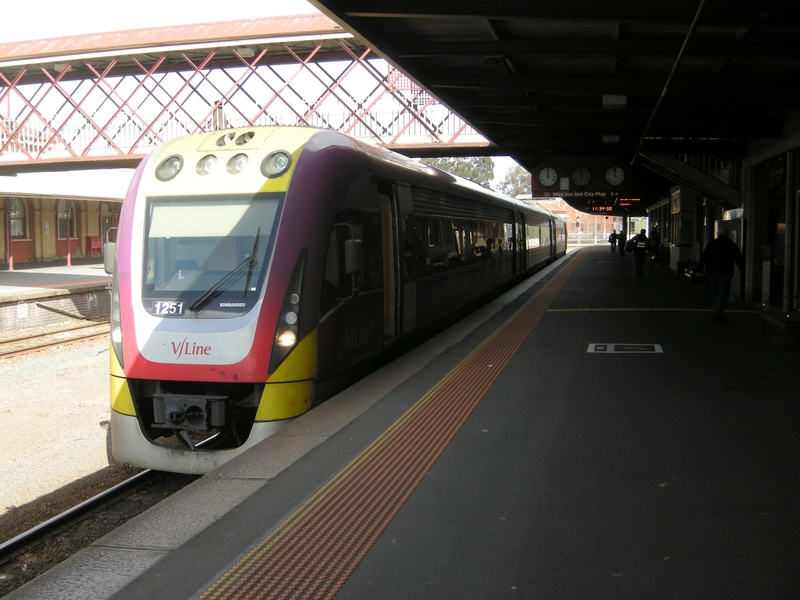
[49,217]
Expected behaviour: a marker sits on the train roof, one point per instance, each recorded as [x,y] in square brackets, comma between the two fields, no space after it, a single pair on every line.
[383,161]
[425,175]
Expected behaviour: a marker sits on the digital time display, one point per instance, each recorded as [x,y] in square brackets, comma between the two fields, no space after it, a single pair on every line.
[602,208]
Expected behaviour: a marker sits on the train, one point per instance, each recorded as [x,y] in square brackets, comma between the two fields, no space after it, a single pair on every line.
[256,269]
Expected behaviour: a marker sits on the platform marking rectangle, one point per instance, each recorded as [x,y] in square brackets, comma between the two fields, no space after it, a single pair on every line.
[625,349]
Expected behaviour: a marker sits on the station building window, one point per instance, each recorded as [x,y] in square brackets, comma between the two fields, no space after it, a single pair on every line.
[67,216]
[17,219]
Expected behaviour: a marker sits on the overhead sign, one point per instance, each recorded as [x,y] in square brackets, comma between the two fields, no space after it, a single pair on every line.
[610,196]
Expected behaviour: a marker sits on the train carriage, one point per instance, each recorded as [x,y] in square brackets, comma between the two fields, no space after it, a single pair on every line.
[255,268]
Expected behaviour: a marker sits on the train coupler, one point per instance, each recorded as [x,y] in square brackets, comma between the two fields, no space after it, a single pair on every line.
[186,413]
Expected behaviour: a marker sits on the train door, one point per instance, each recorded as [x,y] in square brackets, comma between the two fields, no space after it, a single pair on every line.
[408,259]
[352,307]
[389,260]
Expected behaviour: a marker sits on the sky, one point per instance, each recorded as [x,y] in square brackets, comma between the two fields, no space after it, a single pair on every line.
[94,16]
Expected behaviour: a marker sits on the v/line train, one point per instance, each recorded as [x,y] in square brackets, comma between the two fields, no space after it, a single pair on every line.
[255,268]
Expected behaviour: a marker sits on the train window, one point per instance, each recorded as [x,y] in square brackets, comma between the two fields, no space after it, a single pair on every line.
[336,284]
[450,244]
[498,245]
[409,253]
[508,234]
[532,235]
[545,234]
[537,231]
[434,233]
[430,241]
[193,244]
[435,251]
[420,245]
[458,233]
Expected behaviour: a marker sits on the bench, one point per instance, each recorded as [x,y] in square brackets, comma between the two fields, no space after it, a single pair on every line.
[786,321]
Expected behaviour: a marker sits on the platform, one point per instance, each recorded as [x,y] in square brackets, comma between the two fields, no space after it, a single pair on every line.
[37,280]
[587,435]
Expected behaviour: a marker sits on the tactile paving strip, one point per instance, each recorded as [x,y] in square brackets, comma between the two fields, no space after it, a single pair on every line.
[312,554]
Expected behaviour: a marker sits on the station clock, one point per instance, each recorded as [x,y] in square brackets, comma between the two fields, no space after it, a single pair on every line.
[548,176]
[615,175]
[581,176]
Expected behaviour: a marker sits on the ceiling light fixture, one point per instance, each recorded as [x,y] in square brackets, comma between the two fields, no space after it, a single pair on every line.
[613,102]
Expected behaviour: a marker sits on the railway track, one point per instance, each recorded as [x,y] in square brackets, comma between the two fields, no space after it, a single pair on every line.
[77,513]
[24,345]
[36,550]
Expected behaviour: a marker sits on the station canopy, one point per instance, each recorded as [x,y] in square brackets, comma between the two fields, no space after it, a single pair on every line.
[587,89]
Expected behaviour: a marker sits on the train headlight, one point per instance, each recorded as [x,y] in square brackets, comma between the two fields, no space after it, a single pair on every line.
[169,167]
[206,164]
[276,164]
[287,339]
[288,329]
[238,163]
[116,332]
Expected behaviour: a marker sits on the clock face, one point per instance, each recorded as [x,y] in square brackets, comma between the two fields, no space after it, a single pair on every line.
[548,176]
[615,175]
[581,176]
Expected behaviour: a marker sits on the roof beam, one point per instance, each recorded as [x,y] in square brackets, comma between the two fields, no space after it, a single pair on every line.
[472,99]
[694,86]
[740,13]
[665,47]
[697,125]
[520,144]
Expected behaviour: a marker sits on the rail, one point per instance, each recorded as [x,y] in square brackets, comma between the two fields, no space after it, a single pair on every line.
[15,545]
[23,345]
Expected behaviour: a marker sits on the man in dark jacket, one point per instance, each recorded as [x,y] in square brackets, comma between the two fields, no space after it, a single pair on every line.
[639,244]
[655,247]
[717,263]
[612,239]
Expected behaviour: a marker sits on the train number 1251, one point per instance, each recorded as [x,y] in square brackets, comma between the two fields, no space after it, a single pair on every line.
[168,308]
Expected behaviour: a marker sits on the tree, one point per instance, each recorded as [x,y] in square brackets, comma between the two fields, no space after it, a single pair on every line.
[477,169]
[517,181]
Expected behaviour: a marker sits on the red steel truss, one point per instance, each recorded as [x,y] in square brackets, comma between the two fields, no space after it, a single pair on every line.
[109,108]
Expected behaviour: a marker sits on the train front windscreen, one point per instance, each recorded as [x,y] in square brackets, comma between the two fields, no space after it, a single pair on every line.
[206,256]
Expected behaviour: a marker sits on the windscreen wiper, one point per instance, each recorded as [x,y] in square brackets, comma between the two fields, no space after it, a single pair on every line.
[249,262]
[218,287]
[252,263]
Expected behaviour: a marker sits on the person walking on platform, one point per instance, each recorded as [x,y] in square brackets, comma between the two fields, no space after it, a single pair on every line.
[639,244]
[717,263]
[655,247]
[621,242]
[612,239]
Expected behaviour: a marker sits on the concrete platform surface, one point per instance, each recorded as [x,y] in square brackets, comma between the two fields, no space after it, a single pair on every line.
[629,448]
